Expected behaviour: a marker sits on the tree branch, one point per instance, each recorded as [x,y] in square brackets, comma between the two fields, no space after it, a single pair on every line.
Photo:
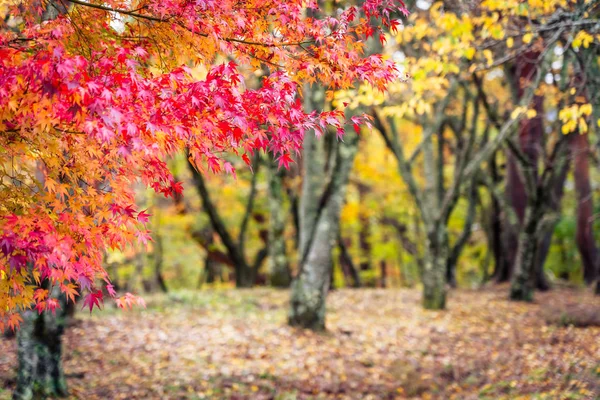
[507,128]
[215,219]
[384,128]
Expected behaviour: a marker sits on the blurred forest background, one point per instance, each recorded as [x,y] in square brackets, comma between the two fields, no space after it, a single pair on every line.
[476,183]
[445,154]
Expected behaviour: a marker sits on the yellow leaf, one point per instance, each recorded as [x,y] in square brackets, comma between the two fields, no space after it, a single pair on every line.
[516,113]
[531,113]
[586,109]
[527,38]
[469,53]
[510,42]
[583,126]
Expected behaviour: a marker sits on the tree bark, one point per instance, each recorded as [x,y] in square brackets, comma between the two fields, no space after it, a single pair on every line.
[319,224]
[540,190]
[522,284]
[586,244]
[39,350]
[434,268]
[556,194]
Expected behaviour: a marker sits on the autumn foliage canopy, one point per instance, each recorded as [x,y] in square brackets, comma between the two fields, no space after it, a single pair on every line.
[95,96]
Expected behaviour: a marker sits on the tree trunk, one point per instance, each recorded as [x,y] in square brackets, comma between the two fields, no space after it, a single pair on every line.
[497,231]
[434,268]
[522,284]
[279,269]
[39,350]
[319,221]
[351,275]
[586,244]
[383,271]
[556,194]
[531,133]
[158,264]
[245,275]
[365,228]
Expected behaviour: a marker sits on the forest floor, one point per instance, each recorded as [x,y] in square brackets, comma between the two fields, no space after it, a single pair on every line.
[380,344]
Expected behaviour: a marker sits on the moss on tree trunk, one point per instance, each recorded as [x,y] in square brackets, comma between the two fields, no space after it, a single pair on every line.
[39,346]
[319,220]
[522,285]
[434,269]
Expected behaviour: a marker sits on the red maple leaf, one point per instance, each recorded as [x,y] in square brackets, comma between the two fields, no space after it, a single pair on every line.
[93,299]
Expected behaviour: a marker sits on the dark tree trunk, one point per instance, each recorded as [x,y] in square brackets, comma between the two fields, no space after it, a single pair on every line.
[530,143]
[245,275]
[502,262]
[383,271]
[365,229]
[586,244]
[351,275]
[158,264]
[555,199]
[517,198]
[39,350]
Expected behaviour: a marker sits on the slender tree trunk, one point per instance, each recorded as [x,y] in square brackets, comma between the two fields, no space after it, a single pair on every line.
[502,262]
[522,283]
[158,264]
[555,200]
[365,229]
[245,275]
[319,226]
[531,133]
[351,275]
[436,239]
[383,271]
[39,350]
[279,269]
[434,268]
[586,244]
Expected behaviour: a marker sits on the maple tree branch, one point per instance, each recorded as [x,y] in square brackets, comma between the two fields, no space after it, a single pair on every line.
[131,13]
